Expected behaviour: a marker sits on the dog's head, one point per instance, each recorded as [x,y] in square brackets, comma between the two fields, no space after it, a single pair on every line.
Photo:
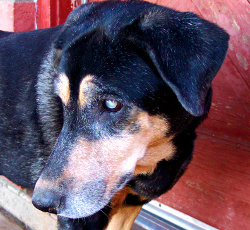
[130,75]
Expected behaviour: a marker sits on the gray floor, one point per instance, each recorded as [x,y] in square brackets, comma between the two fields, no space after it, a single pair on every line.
[7,222]
[147,221]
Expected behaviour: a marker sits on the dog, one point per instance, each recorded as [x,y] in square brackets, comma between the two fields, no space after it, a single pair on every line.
[98,115]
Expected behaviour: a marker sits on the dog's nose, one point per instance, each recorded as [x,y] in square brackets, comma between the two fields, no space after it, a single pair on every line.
[46,201]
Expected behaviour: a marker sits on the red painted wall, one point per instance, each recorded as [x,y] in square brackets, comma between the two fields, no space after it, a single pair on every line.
[54,12]
[17,16]
[23,16]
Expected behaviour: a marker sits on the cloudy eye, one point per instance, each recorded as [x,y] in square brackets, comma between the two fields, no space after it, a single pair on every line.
[112,105]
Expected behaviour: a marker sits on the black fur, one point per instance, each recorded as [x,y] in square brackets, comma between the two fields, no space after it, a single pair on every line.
[158,59]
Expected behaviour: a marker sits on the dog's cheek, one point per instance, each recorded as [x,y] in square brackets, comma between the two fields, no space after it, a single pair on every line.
[112,160]
[155,153]
[154,130]
[139,151]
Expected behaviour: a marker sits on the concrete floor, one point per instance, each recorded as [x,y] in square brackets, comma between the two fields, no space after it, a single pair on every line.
[9,223]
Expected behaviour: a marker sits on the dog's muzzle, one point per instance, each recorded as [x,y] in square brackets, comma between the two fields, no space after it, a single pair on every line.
[78,201]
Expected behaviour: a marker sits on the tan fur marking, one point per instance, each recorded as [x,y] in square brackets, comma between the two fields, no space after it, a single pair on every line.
[45,184]
[82,160]
[164,149]
[118,199]
[124,218]
[86,86]
[89,159]
[63,88]
[159,147]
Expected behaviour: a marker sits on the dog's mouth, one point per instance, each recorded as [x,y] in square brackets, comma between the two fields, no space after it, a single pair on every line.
[78,206]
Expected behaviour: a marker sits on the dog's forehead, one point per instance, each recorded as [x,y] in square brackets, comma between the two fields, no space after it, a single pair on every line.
[126,76]
[112,62]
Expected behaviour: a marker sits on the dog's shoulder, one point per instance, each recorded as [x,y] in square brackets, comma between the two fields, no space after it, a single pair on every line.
[30,40]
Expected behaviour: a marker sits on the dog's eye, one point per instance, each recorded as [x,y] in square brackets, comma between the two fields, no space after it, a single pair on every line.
[112,105]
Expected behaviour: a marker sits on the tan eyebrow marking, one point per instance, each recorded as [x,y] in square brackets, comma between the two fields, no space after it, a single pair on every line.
[85,88]
[63,88]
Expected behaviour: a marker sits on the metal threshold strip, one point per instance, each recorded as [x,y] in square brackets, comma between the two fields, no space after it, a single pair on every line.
[156,216]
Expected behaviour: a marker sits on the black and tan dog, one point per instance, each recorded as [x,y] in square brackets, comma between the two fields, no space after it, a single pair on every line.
[99,114]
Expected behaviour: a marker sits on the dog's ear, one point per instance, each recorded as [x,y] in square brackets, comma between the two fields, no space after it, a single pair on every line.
[186,50]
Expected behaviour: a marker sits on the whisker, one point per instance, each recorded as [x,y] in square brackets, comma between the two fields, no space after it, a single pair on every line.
[105,214]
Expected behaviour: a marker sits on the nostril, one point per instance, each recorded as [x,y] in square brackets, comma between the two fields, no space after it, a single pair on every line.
[46,201]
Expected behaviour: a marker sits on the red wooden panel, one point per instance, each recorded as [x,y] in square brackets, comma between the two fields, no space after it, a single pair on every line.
[65,7]
[215,189]
[54,12]
[24,16]
[43,14]
[17,16]
[229,114]
[186,5]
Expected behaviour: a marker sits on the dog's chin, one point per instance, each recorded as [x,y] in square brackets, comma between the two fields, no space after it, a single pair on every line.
[78,208]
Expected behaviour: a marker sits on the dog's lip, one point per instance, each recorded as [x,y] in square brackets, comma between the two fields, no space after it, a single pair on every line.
[79,212]
[52,210]
[74,207]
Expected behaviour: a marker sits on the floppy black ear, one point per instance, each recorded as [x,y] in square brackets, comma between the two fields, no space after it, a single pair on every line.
[186,50]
